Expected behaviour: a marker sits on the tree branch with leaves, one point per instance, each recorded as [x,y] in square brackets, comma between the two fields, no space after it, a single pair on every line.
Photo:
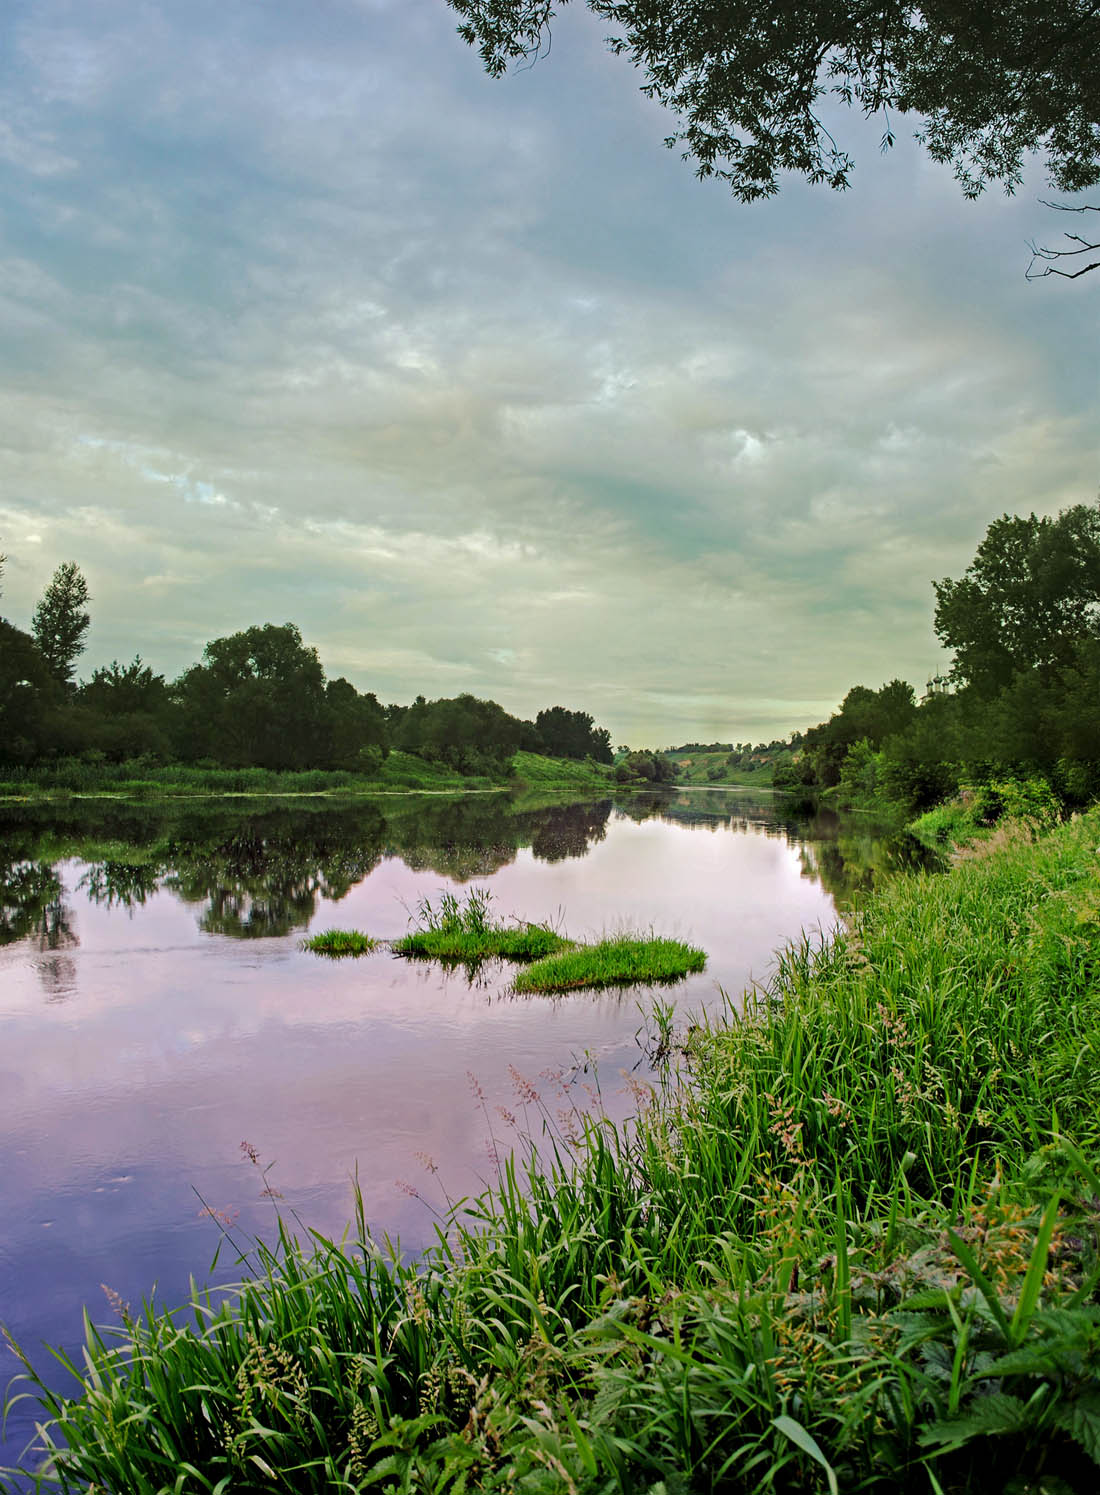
[746,79]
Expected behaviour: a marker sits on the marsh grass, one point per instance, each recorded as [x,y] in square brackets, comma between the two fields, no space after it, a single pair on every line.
[339,942]
[466,933]
[623,960]
[851,1242]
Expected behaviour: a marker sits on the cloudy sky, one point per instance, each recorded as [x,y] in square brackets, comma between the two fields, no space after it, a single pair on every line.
[304,318]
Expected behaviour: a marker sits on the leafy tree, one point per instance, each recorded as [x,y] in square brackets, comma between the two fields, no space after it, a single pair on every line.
[655,768]
[468,734]
[127,710]
[989,84]
[572,734]
[1031,593]
[61,620]
[256,700]
[358,738]
[120,690]
[28,691]
[865,714]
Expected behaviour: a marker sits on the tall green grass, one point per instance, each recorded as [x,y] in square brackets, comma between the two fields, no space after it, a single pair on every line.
[340,942]
[623,960]
[465,932]
[849,1243]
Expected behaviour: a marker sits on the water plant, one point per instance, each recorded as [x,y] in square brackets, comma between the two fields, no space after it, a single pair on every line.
[465,932]
[624,960]
[338,942]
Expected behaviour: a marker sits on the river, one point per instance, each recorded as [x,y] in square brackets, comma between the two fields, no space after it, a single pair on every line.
[170,1057]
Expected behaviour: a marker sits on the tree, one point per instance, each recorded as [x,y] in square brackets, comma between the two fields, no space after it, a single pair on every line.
[988,84]
[28,691]
[1031,593]
[61,621]
[127,710]
[572,734]
[357,728]
[468,734]
[257,700]
[865,715]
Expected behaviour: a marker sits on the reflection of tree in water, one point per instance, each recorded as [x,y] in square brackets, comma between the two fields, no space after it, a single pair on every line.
[121,884]
[472,838]
[461,839]
[264,878]
[854,864]
[645,804]
[570,830]
[57,974]
[848,855]
[32,907]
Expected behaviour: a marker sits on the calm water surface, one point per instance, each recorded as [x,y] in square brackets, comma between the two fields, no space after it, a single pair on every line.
[156,1012]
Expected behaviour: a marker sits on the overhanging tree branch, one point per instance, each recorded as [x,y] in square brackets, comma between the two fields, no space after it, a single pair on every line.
[1043,254]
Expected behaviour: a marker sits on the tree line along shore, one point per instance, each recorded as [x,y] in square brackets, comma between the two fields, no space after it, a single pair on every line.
[1013,723]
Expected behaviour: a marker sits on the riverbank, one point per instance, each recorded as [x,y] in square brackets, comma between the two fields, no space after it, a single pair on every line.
[399,773]
[851,1242]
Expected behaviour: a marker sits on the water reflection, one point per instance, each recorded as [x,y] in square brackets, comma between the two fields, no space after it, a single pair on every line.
[32,906]
[256,874]
[114,884]
[849,855]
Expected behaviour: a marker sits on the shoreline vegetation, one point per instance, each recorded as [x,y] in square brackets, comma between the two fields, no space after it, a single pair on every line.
[851,1241]
[399,773]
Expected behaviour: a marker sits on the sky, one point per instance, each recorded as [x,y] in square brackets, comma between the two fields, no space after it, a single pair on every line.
[304,318]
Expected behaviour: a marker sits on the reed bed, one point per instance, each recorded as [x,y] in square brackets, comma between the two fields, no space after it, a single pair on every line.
[850,1243]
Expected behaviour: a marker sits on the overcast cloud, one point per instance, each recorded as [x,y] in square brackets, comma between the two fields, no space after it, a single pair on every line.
[304,318]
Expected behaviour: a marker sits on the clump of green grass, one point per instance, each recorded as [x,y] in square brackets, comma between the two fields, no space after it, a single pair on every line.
[465,932]
[624,961]
[337,942]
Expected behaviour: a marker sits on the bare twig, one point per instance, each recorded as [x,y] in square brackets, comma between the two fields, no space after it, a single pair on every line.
[1041,253]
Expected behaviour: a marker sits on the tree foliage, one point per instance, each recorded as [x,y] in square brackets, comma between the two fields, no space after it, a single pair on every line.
[27,692]
[1030,595]
[258,698]
[572,734]
[748,81]
[466,733]
[61,620]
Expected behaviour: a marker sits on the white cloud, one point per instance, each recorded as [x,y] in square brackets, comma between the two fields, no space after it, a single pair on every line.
[480,387]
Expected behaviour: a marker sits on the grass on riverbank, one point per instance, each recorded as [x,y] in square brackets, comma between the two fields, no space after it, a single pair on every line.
[622,961]
[400,772]
[340,942]
[851,1245]
[466,933]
